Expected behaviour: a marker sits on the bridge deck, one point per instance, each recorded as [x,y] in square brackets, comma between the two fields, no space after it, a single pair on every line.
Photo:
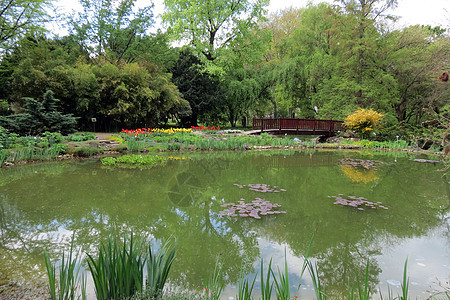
[296,126]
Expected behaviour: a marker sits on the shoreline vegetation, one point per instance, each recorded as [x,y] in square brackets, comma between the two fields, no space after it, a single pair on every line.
[16,150]
[129,269]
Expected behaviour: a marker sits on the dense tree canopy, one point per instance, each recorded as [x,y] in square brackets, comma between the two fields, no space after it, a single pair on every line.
[18,17]
[321,61]
[213,27]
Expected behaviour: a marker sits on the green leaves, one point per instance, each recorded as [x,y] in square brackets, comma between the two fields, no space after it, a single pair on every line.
[110,28]
[18,17]
[65,286]
[118,272]
[133,161]
[213,26]
[158,268]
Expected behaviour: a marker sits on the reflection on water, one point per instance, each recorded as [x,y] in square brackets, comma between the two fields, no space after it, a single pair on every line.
[359,175]
[42,205]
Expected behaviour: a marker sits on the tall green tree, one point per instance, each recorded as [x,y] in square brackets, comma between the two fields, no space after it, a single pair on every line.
[201,89]
[40,64]
[40,115]
[215,26]
[356,47]
[417,55]
[19,17]
[300,58]
[112,28]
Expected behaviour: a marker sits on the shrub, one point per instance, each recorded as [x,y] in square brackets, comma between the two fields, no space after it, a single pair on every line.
[79,137]
[364,122]
[3,137]
[40,116]
[84,151]
[53,137]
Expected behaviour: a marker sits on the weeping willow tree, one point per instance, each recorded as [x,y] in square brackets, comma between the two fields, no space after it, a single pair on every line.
[245,89]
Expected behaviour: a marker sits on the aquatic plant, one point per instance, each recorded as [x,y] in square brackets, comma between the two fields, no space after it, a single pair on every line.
[282,287]
[363,289]
[134,161]
[426,161]
[263,188]
[266,285]
[365,163]
[254,209]
[67,284]
[213,282]
[118,271]
[360,203]
[245,288]
[158,268]
[319,285]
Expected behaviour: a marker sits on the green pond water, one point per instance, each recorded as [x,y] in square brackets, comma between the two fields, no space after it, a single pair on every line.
[41,205]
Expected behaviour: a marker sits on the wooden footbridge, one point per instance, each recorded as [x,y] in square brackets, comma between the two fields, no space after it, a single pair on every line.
[296,126]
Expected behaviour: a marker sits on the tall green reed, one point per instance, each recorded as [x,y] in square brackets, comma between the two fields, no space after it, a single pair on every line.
[245,289]
[118,272]
[65,285]
[318,284]
[282,287]
[3,155]
[213,282]
[266,285]
[158,268]
[405,283]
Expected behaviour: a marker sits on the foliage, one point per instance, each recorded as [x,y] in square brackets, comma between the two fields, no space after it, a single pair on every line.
[67,285]
[3,138]
[213,282]
[134,161]
[415,62]
[245,288]
[213,28]
[118,272]
[364,121]
[19,17]
[82,136]
[158,268]
[145,132]
[83,151]
[111,28]
[283,289]
[40,116]
[201,89]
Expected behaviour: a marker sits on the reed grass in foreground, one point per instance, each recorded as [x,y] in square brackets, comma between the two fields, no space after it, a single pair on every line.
[118,273]
[65,285]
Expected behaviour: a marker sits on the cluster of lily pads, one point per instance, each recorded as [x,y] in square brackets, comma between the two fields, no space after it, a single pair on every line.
[360,203]
[425,160]
[263,188]
[254,209]
[365,163]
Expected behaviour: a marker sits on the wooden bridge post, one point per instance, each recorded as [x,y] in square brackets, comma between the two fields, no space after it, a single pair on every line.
[314,127]
[262,125]
[279,124]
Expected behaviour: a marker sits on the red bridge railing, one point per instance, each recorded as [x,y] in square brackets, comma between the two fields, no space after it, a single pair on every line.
[302,126]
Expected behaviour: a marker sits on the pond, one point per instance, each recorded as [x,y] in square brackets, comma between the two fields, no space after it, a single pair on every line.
[41,206]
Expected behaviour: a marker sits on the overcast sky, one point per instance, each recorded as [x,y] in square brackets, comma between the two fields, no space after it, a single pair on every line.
[411,12]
